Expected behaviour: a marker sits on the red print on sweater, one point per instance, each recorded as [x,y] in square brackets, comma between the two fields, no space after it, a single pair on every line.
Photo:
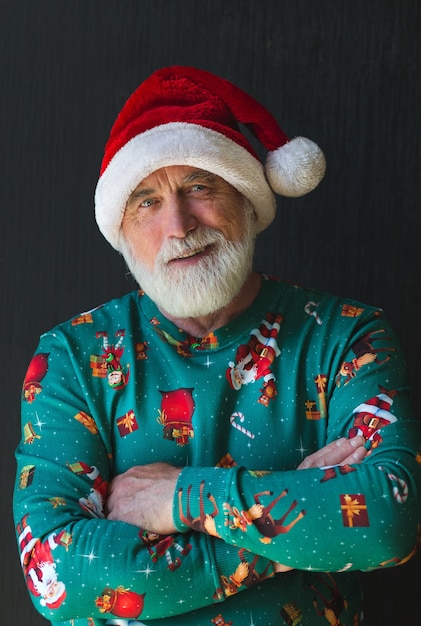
[253,360]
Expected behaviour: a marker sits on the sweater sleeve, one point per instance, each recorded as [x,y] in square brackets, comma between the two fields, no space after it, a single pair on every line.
[356,517]
[76,563]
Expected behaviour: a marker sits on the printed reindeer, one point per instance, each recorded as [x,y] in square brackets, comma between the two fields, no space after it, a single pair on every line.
[333,606]
[245,574]
[266,525]
[261,517]
[365,353]
[204,522]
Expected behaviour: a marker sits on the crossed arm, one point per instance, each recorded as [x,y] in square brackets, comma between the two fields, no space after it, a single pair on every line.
[144,495]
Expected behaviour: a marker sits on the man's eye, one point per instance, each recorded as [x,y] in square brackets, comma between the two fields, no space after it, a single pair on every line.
[147,202]
[198,187]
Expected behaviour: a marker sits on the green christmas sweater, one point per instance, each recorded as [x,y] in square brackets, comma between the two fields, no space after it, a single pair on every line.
[238,409]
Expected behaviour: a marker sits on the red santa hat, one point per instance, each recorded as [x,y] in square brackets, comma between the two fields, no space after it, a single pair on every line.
[186,116]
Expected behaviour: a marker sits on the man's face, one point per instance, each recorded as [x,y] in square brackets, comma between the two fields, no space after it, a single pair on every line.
[188,238]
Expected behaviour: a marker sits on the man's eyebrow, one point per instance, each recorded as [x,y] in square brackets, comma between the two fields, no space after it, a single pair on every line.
[200,174]
[139,193]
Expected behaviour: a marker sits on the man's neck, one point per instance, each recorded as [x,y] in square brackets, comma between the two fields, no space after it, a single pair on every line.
[202,326]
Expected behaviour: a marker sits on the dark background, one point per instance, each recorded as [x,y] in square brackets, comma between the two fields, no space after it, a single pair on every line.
[344,73]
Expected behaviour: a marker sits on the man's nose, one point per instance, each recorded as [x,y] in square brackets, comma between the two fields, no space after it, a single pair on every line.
[179,217]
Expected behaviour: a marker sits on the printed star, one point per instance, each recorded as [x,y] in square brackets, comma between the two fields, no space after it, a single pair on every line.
[301,449]
[148,571]
[252,622]
[91,556]
[208,362]
[39,423]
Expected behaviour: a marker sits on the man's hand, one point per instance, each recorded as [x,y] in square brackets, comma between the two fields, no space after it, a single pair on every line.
[340,452]
[143,496]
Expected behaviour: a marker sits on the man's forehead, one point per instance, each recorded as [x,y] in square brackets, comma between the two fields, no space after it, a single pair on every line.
[185,173]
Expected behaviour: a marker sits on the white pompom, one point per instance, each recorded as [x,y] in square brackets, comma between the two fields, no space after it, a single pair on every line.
[296,168]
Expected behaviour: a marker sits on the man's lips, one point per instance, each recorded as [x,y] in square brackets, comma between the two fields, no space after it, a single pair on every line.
[188,254]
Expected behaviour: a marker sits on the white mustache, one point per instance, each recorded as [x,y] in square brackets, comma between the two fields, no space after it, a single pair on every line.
[194,242]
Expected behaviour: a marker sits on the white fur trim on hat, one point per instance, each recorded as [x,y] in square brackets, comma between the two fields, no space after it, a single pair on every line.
[179,143]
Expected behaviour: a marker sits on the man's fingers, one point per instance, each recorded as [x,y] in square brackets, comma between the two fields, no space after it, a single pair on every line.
[338,452]
[357,456]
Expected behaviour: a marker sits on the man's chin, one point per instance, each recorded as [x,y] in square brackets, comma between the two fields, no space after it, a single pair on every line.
[188,309]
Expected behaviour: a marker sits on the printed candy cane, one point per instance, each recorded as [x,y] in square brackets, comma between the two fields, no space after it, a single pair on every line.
[400,491]
[312,311]
[240,416]
[400,495]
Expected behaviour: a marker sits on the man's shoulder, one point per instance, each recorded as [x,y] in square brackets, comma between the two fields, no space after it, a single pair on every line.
[293,294]
[114,312]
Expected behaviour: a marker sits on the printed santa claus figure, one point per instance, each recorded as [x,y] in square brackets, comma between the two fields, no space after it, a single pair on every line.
[371,416]
[39,567]
[93,503]
[253,360]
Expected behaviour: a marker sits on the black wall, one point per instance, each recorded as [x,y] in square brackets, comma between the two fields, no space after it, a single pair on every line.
[344,73]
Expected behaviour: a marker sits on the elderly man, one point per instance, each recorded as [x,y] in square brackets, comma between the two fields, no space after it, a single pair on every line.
[219,446]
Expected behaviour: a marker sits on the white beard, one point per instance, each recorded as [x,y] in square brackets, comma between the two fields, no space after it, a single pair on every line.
[209,285]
